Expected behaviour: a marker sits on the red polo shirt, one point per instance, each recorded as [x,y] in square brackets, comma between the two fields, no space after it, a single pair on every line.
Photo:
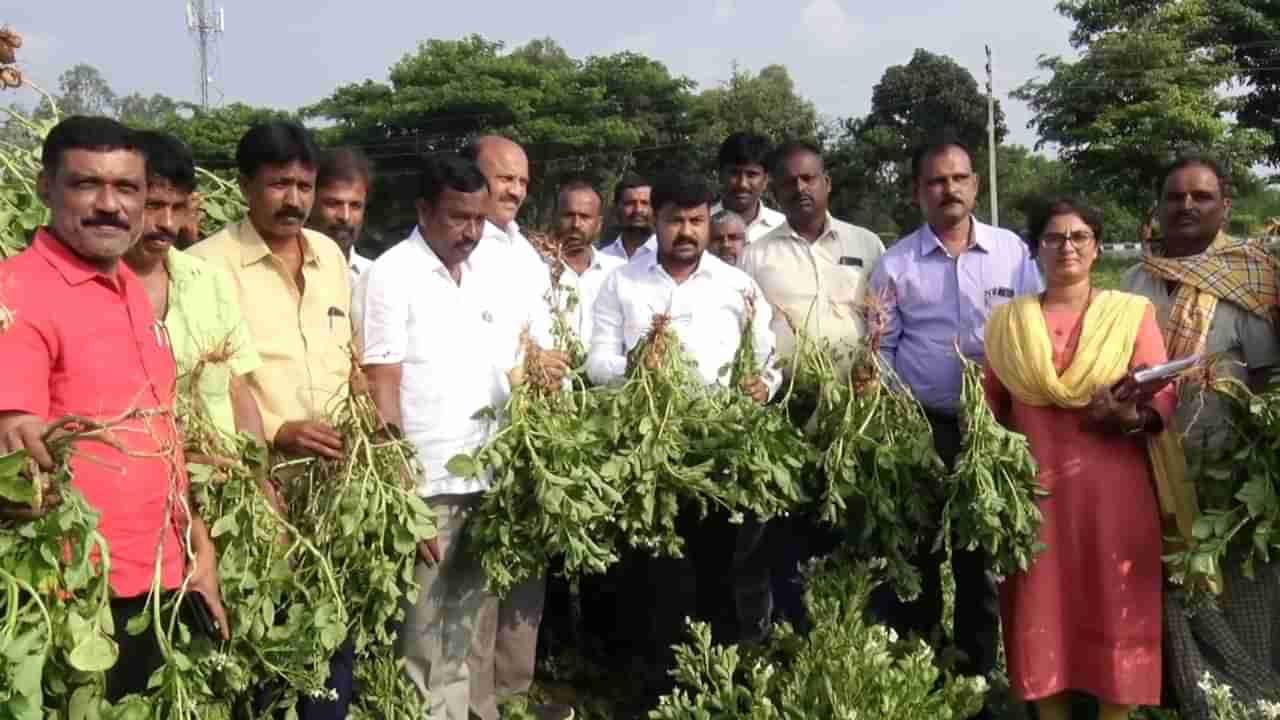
[85,344]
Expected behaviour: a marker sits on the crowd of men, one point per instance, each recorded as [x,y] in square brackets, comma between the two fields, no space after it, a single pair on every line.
[438,322]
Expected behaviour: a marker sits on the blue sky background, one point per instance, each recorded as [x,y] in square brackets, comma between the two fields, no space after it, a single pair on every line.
[286,53]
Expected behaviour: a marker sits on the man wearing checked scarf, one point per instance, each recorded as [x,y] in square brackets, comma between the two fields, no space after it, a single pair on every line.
[1218,295]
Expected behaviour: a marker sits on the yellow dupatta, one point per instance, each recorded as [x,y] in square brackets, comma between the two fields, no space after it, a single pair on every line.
[1021,355]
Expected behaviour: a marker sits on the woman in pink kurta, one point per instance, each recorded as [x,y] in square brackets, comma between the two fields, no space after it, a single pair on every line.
[1086,615]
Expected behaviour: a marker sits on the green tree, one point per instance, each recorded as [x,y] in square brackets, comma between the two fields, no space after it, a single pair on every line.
[766,103]
[911,103]
[138,110]
[1137,98]
[1248,29]
[213,134]
[82,90]
[603,114]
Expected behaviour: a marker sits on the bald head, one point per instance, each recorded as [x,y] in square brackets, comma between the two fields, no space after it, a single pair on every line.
[506,167]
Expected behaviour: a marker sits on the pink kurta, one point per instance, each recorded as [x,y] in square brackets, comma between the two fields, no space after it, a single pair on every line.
[1086,616]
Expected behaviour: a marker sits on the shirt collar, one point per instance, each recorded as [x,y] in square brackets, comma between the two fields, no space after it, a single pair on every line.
[434,264]
[73,269]
[182,267]
[929,242]
[708,265]
[827,229]
[650,245]
[253,248]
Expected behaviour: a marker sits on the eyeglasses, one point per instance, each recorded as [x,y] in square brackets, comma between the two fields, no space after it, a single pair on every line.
[1079,240]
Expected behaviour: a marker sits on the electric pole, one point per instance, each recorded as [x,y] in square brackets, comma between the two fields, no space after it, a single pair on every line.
[991,143]
[205,22]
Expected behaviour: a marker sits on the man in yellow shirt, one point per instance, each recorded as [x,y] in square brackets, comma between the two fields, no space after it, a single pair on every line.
[295,288]
[194,301]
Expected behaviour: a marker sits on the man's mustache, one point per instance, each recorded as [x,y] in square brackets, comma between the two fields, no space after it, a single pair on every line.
[290,214]
[161,236]
[684,240]
[107,221]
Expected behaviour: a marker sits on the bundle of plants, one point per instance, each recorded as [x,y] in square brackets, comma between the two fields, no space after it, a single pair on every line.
[562,300]
[760,457]
[652,423]
[876,454]
[364,513]
[993,494]
[56,627]
[843,667]
[548,497]
[1238,488]
[287,615]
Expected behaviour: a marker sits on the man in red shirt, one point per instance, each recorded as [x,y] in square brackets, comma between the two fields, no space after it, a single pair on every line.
[84,341]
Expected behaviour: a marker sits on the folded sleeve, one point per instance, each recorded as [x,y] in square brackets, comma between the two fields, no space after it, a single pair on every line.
[607,360]
[384,328]
[28,348]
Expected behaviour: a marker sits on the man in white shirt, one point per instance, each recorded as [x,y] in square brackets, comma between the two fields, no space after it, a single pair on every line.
[634,215]
[744,176]
[343,179]
[440,334]
[705,299]
[502,661]
[578,225]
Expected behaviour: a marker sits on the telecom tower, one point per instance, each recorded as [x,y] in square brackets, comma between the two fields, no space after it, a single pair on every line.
[206,22]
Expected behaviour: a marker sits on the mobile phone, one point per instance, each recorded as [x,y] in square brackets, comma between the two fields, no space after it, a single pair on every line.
[202,617]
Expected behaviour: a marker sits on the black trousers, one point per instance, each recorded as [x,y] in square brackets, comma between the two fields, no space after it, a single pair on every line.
[140,655]
[977,618]
[341,680]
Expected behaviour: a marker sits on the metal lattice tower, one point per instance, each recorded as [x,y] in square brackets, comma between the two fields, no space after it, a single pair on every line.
[205,22]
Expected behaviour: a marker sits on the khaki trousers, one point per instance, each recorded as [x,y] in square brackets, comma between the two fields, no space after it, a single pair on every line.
[505,646]
[439,627]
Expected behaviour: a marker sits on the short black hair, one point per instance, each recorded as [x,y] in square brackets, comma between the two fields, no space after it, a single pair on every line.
[1042,212]
[935,144]
[276,142]
[1205,161]
[682,190]
[792,147]
[629,181]
[448,171]
[343,164]
[577,185]
[83,132]
[168,159]
[744,148]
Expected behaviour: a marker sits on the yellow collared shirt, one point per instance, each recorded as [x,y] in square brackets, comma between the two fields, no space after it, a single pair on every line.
[819,285]
[304,338]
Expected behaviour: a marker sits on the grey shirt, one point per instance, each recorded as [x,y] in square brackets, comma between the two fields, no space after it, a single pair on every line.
[1246,342]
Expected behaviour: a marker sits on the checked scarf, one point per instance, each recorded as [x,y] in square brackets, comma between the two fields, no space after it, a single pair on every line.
[1231,270]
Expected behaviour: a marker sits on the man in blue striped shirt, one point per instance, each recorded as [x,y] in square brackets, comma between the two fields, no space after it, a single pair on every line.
[939,285]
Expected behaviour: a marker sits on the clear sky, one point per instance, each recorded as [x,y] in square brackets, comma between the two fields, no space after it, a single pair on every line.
[287,53]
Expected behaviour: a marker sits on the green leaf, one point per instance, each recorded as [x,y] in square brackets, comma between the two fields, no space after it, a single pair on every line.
[94,652]
[13,486]
[463,465]
[225,524]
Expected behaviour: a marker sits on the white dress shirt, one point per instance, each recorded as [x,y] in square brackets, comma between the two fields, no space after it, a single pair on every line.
[648,249]
[454,343]
[359,264]
[588,286]
[707,312]
[528,274]
[765,221]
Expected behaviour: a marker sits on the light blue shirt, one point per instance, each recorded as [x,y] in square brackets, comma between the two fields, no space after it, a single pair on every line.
[936,302]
